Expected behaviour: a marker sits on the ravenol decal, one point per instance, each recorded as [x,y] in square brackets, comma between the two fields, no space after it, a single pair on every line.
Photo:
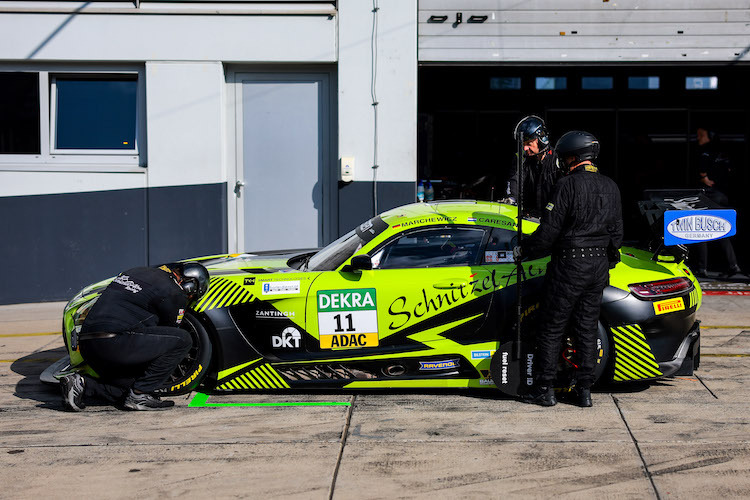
[438,365]
[280,287]
[668,306]
[695,226]
[348,318]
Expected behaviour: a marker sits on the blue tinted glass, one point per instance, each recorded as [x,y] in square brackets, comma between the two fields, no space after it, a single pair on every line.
[596,82]
[96,114]
[505,83]
[643,82]
[551,83]
[701,82]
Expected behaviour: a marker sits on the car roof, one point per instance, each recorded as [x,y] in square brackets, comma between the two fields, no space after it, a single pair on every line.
[454,211]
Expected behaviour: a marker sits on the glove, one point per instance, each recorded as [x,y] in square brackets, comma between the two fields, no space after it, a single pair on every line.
[517,250]
[509,201]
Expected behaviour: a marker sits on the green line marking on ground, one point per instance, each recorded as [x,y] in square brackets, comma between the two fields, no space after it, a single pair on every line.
[200,400]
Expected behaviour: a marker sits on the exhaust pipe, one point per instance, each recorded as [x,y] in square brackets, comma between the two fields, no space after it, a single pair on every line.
[394,370]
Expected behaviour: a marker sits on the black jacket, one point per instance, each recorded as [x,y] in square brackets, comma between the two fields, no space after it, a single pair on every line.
[139,297]
[584,211]
[539,181]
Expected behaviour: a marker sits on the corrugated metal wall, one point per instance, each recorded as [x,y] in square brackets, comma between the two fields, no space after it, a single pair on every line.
[584,30]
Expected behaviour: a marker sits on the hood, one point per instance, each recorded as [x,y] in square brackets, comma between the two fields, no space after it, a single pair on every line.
[255,262]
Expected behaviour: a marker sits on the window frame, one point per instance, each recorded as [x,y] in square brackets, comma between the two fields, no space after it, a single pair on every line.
[89,160]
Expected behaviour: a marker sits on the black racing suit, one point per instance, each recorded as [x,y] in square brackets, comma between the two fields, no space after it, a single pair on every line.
[141,307]
[582,228]
[539,178]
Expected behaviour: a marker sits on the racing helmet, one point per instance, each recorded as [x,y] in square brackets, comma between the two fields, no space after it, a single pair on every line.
[532,127]
[194,280]
[583,146]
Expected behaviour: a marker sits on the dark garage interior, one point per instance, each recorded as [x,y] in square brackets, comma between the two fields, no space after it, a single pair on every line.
[645,117]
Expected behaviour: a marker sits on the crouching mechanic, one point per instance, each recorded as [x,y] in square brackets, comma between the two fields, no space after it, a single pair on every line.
[581,227]
[131,339]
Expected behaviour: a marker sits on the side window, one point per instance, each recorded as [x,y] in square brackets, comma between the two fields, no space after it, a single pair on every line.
[438,247]
[500,246]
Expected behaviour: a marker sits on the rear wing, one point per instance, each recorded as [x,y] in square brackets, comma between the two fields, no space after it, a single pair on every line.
[679,217]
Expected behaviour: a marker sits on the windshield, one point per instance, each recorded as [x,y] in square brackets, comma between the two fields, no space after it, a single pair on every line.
[332,256]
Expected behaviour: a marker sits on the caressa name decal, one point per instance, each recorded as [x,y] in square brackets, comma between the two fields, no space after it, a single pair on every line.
[348,319]
[668,306]
[425,220]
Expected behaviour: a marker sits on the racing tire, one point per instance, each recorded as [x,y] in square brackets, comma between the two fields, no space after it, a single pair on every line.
[191,370]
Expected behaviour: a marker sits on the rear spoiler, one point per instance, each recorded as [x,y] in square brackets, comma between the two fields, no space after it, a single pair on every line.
[679,217]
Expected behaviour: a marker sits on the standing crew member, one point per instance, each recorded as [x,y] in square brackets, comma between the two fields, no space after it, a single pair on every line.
[539,170]
[582,228]
[131,339]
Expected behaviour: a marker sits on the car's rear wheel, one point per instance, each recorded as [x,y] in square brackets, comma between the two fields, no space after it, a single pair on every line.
[191,370]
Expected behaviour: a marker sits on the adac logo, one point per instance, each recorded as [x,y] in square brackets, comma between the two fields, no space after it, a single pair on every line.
[438,365]
[289,339]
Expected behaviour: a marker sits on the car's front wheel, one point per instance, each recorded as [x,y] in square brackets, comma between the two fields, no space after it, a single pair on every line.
[191,370]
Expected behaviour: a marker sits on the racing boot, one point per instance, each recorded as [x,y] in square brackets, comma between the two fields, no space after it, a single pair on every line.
[72,387]
[581,396]
[543,395]
[145,401]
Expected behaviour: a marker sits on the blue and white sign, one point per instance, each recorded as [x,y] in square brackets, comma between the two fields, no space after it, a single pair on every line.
[696,226]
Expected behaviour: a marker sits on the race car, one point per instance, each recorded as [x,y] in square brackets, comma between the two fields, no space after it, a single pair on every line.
[421,296]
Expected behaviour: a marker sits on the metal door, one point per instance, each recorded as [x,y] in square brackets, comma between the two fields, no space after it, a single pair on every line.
[284,129]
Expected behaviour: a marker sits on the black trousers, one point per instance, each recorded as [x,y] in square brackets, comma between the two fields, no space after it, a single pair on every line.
[142,360]
[572,297]
[701,249]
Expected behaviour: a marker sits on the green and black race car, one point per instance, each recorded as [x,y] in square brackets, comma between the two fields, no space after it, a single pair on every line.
[421,296]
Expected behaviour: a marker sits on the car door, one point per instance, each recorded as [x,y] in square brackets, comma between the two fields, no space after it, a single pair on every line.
[426,285]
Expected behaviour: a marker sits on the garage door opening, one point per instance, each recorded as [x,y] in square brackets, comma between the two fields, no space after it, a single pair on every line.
[645,117]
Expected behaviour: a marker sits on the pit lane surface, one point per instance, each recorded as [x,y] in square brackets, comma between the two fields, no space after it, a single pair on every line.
[685,437]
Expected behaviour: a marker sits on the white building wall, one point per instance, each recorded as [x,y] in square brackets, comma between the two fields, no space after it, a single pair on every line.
[396,88]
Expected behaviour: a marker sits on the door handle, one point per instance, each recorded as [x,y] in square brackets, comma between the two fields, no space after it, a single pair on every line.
[238,186]
[450,283]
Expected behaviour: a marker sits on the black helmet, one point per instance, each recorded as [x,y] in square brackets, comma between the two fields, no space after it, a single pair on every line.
[532,127]
[578,144]
[194,280]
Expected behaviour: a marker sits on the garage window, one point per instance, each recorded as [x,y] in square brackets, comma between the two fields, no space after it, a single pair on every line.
[702,82]
[643,82]
[63,118]
[505,83]
[438,247]
[596,83]
[94,113]
[551,82]
[19,118]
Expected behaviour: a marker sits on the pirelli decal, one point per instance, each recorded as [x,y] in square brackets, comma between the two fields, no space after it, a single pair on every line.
[223,292]
[633,357]
[258,377]
[669,305]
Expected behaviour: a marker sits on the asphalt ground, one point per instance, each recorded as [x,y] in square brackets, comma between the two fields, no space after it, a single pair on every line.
[685,437]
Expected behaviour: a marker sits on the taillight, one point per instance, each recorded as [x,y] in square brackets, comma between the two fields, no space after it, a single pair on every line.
[652,290]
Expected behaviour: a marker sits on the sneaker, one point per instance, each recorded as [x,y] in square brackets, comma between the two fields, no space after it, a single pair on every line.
[732,271]
[542,395]
[72,387]
[145,401]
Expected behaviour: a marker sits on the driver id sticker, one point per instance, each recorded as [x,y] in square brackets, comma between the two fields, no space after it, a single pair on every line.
[348,319]
[498,256]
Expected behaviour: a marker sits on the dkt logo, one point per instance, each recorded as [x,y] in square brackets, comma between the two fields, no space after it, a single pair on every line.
[289,338]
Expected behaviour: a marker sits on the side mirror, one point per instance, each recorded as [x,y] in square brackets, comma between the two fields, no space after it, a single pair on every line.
[359,263]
